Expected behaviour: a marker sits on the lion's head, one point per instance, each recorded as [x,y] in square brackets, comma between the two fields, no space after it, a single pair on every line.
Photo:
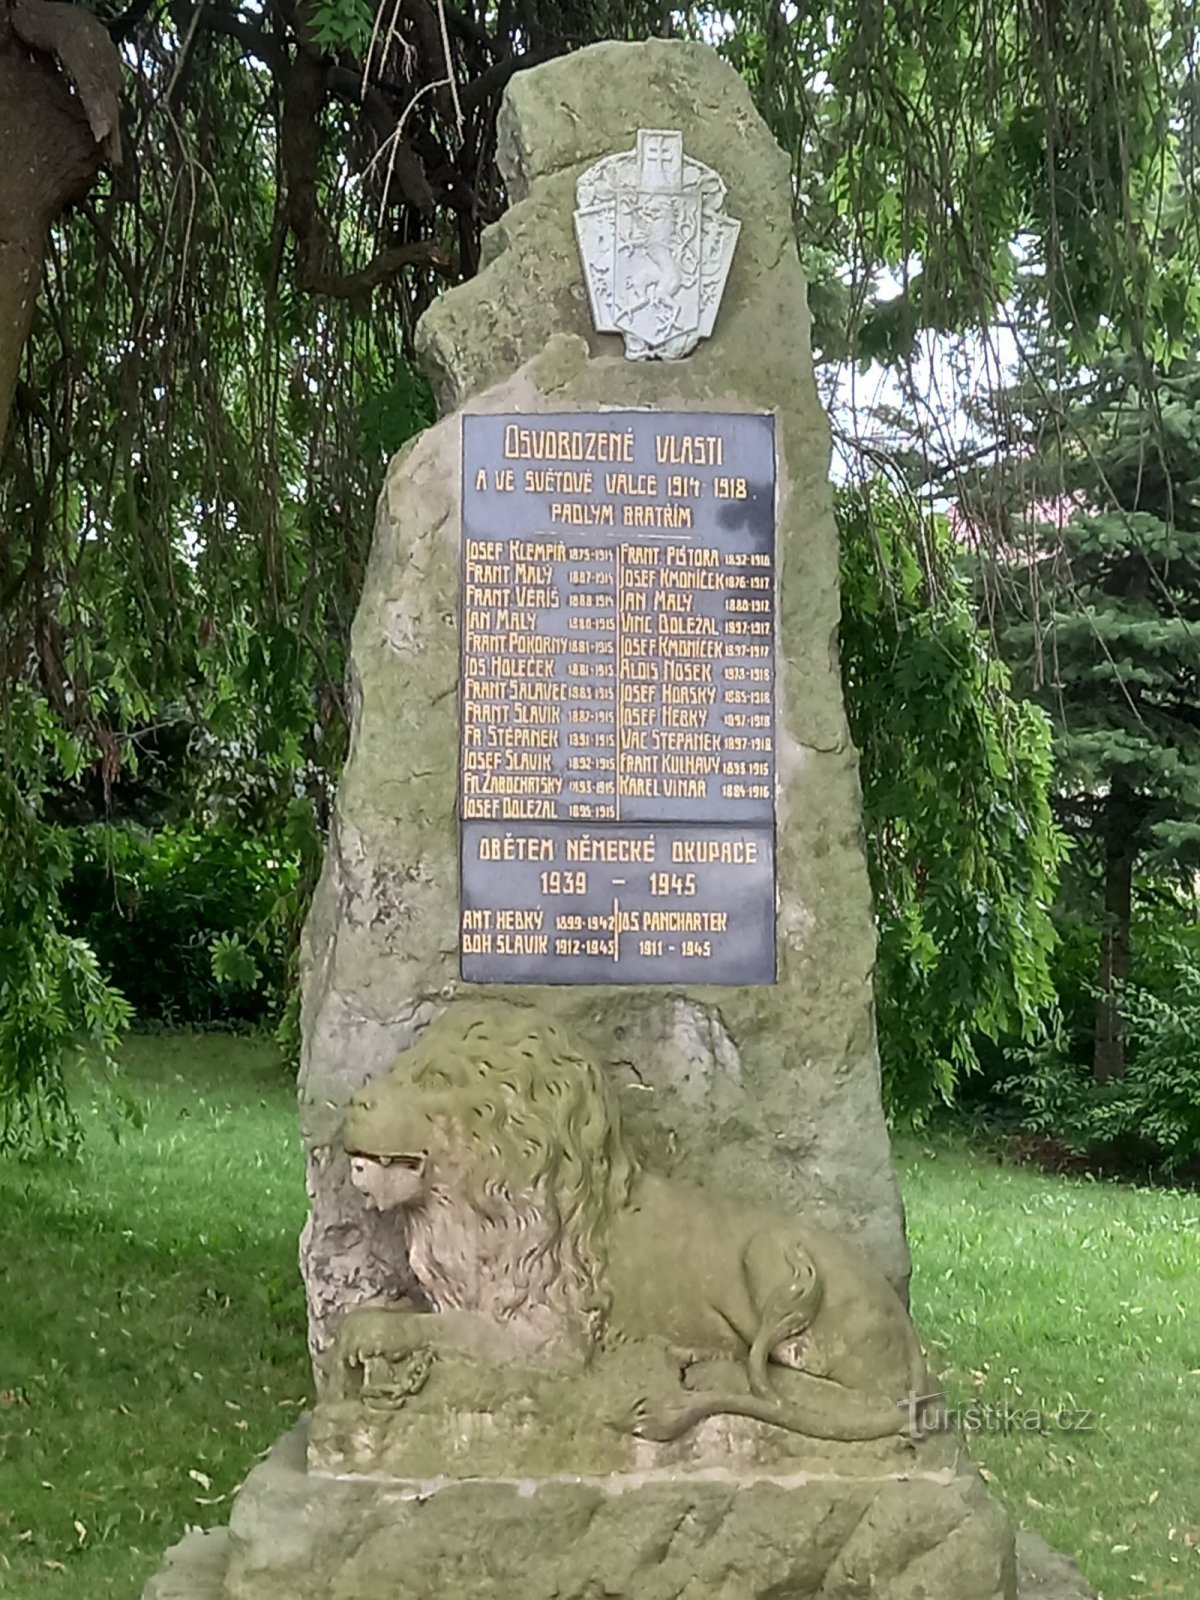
[503,1146]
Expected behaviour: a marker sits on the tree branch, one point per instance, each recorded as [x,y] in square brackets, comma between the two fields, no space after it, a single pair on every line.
[386,264]
[233,25]
[121,27]
[495,78]
[319,268]
[405,166]
[88,58]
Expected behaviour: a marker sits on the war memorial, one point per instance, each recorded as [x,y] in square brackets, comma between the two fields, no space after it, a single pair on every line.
[605,1260]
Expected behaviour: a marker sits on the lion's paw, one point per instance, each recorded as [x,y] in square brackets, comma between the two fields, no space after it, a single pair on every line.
[402,1380]
[643,1423]
[629,1420]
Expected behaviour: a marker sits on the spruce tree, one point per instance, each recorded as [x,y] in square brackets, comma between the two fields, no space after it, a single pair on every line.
[1104,631]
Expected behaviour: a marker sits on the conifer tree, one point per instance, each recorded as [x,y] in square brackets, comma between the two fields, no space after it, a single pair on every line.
[1104,631]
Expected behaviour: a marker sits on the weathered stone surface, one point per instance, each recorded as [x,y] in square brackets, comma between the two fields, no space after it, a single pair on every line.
[194,1569]
[770,1093]
[1044,1574]
[926,1536]
[474,1424]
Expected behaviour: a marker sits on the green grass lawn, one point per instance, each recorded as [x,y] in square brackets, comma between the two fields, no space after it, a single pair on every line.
[152,1333]
[151,1319]
[1040,1293]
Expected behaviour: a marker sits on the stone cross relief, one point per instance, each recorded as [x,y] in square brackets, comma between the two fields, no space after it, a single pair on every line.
[655,245]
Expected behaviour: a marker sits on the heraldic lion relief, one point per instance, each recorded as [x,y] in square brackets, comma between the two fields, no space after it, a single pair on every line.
[538,1239]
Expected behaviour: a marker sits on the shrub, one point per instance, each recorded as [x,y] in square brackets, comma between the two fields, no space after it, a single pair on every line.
[193,925]
[56,1009]
[1150,1118]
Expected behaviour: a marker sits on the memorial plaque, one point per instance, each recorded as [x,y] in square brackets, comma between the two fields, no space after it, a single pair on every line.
[618,617]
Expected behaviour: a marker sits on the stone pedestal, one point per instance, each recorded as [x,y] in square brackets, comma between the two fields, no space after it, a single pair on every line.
[770,1094]
[888,1531]
[923,1533]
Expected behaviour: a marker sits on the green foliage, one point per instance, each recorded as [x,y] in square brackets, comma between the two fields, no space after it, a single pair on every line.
[1102,608]
[962,848]
[983,155]
[339,25]
[1161,1088]
[1146,1121]
[391,415]
[233,964]
[183,545]
[1149,1119]
[56,1006]
[196,926]
[1102,625]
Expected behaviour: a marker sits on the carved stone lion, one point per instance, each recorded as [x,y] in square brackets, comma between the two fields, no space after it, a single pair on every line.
[537,1238]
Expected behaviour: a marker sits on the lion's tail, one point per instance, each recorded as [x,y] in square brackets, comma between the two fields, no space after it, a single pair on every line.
[821,1410]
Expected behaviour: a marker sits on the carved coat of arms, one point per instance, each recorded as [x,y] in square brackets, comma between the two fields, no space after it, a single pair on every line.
[656,246]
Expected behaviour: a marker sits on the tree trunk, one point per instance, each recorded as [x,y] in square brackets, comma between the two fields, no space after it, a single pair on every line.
[20,274]
[54,141]
[1120,853]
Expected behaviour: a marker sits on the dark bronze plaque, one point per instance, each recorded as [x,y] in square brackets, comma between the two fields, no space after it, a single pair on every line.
[618,618]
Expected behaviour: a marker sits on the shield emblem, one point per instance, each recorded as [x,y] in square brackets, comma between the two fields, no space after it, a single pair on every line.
[656,290]
[655,245]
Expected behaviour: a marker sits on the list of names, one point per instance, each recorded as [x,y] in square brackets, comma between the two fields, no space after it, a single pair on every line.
[618,618]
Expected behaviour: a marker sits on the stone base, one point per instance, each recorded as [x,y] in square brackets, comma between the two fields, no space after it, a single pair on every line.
[299,1535]
[1044,1574]
[194,1569]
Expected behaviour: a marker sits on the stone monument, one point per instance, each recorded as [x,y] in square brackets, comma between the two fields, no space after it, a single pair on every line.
[605,1261]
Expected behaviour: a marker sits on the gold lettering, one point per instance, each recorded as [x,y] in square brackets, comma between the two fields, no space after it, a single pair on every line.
[690,449]
[643,483]
[618,851]
[702,852]
[635,516]
[566,444]
[685,921]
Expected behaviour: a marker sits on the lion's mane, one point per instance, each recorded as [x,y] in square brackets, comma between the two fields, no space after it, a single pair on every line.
[533,1169]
